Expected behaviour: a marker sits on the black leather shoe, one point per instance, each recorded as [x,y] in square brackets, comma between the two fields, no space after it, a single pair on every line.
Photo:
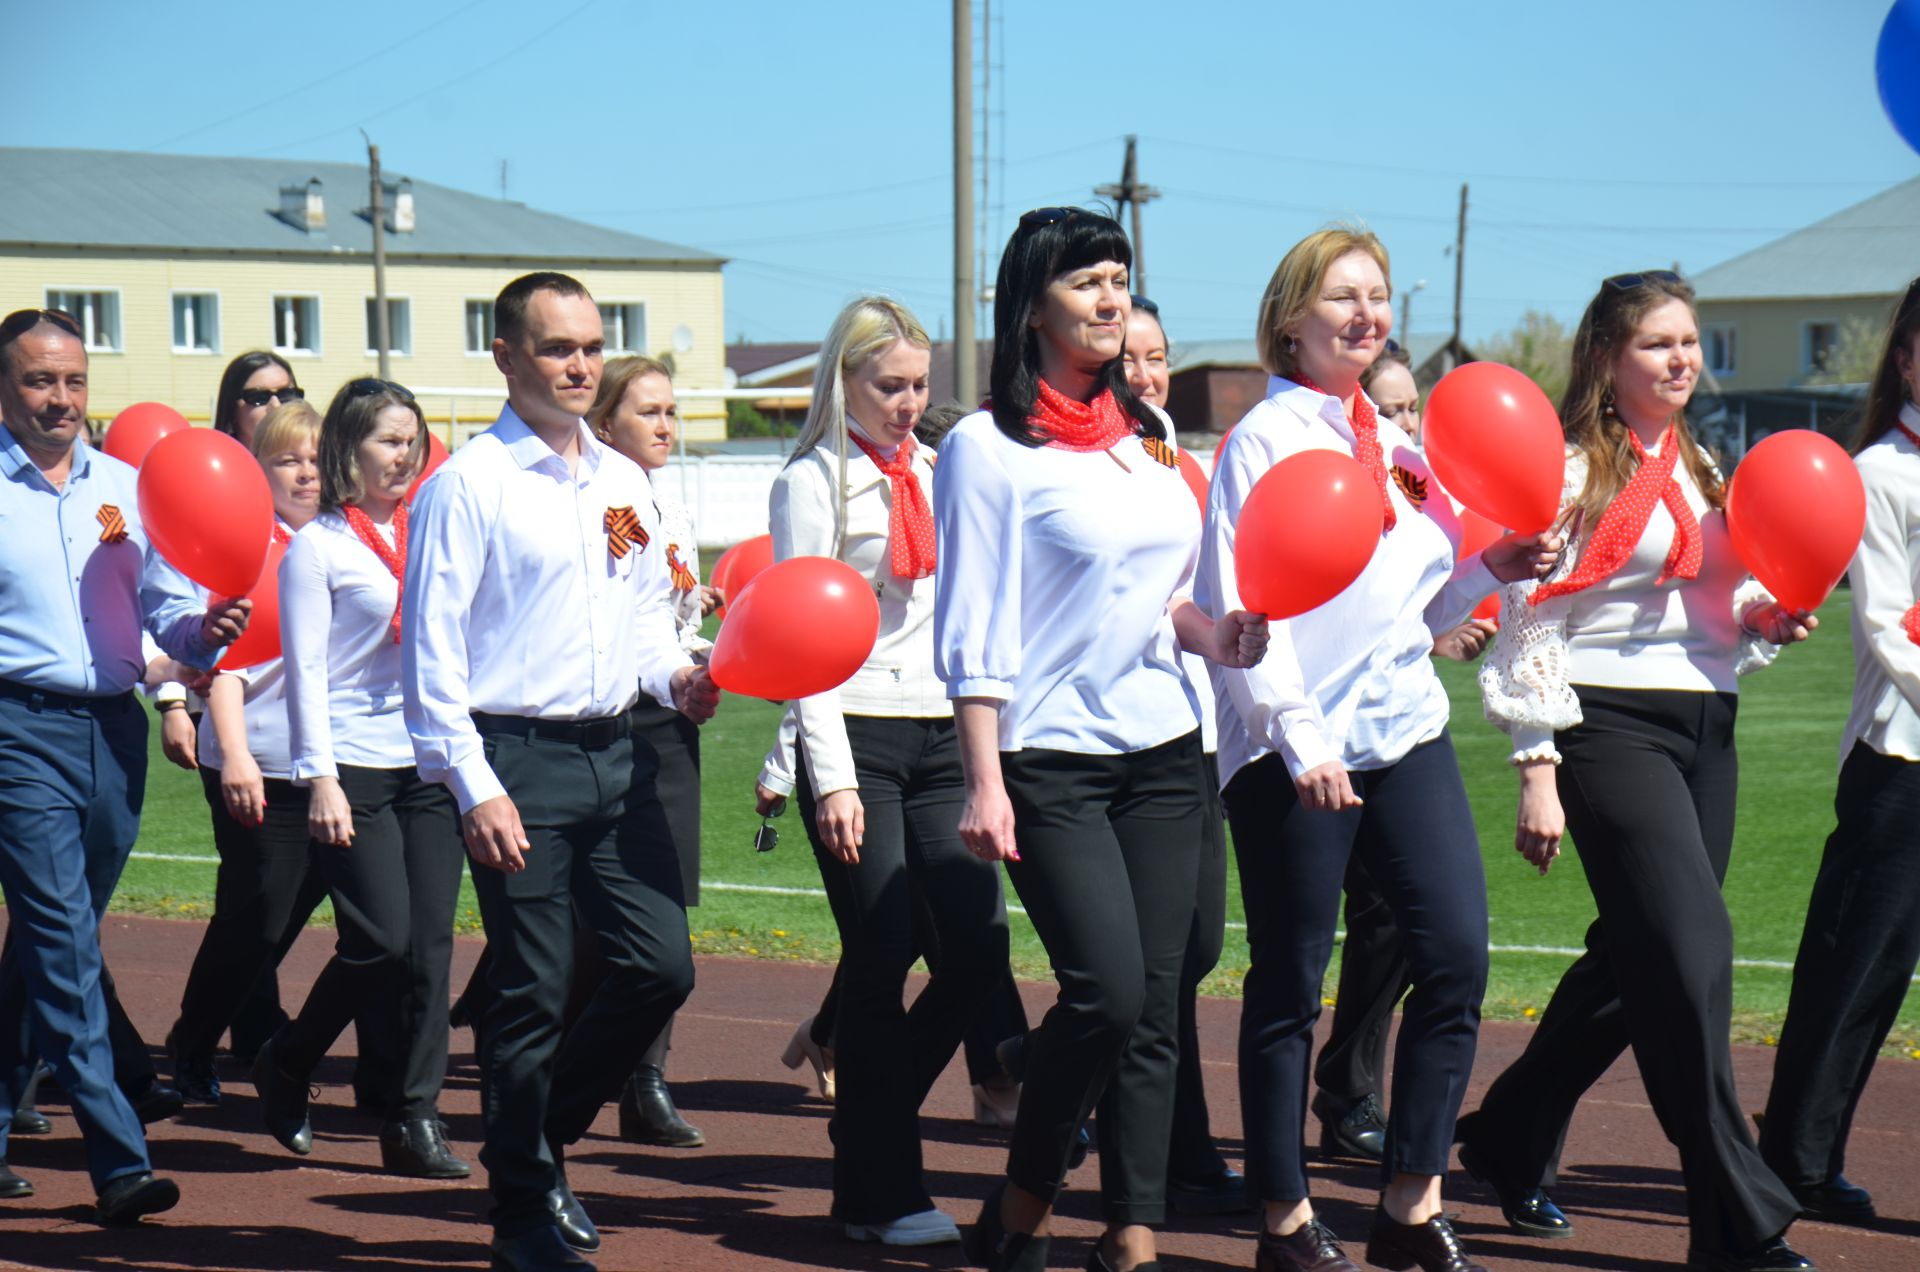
[1221,1193]
[417,1147]
[570,1219]
[28,1120]
[1836,1201]
[1773,1256]
[991,1246]
[1361,1131]
[156,1102]
[193,1076]
[1528,1211]
[127,1198]
[1430,1246]
[647,1114]
[283,1102]
[1308,1248]
[540,1250]
[11,1185]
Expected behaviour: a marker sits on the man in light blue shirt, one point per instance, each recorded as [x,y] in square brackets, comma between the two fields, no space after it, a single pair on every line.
[79,582]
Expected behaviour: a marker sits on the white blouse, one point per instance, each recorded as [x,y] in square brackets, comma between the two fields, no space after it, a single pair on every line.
[676,524]
[342,665]
[1056,569]
[1885,576]
[264,705]
[1623,632]
[897,679]
[1351,682]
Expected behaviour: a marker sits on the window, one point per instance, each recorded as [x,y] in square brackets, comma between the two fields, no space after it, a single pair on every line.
[1821,338]
[1720,349]
[296,324]
[399,326]
[625,323]
[99,315]
[196,322]
[479,326]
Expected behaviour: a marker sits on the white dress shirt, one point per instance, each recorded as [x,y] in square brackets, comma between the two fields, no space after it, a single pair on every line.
[1886,580]
[342,665]
[1056,569]
[897,679]
[677,525]
[264,705]
[1351,682]
[516,604]
[1199,678]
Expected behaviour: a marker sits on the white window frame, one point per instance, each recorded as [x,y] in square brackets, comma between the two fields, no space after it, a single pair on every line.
[319,325]
[619,350]
[485,351]
[1810,365]
[1730,334]
[119,314]
[403,352]
[194,351]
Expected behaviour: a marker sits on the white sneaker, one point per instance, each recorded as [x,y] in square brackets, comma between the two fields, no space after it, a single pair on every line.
[929,1227]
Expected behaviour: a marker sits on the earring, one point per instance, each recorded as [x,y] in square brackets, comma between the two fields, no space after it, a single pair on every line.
[1606,404]
[1293,346]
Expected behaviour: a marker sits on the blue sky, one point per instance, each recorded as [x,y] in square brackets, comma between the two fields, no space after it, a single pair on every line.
[810,142]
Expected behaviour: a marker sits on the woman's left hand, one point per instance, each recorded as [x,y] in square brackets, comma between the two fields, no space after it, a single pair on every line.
[1776,624]
[709,600]
[1524,556]
[1239,639]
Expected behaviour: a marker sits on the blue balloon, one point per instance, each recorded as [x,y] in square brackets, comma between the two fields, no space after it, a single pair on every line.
[1896,65]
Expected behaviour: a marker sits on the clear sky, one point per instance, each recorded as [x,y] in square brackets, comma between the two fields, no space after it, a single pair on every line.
[810,143]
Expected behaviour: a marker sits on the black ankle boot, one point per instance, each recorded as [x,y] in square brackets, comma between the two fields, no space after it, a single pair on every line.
[647,1115]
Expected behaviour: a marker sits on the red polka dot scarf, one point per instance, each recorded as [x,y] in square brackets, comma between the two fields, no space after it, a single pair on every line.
[1098,425]
[1366,444]
[394,557]
[910,526]
[1911,623]
[1625,520]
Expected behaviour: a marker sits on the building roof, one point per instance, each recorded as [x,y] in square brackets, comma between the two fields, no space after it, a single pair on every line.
[1188,355]
[133,200]
[1865,250]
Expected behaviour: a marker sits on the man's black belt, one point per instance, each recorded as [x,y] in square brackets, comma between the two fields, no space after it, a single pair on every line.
[586,733]
[47,699]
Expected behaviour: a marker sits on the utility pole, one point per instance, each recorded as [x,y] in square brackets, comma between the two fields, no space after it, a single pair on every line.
[965,382]
[1456,353]
[1128,193]
[1406,310]
[380,333]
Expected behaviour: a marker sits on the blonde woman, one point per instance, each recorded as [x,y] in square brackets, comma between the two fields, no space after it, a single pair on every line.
[879,781]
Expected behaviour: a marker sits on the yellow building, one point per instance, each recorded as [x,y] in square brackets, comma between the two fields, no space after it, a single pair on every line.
[177,263]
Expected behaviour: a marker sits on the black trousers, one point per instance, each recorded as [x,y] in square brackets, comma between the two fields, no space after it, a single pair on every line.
[394,891]
[1857,956]
[1352,1065]
[268,886]
[676,744]
[887,1055]
[1192,1154]
[1416,834]
[600,842]
[1109,862]
[1648,782]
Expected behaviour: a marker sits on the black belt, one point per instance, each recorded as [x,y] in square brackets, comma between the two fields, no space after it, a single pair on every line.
[45,699]
[584,733]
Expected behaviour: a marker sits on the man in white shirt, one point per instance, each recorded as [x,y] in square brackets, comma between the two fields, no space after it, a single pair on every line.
[537,602]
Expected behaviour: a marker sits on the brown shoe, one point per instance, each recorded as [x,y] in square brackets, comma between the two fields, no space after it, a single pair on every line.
[1430,1246]
[1308,1248]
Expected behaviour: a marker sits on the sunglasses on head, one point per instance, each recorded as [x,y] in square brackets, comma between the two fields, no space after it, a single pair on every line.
[369,386]
[260,397]
[1046,216]
[1627,282]
[21,321]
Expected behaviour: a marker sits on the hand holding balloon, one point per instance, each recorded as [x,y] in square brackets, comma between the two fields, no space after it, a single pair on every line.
[1524,556]
[1239,639]
[224,621]
[1776,624]
[695,696]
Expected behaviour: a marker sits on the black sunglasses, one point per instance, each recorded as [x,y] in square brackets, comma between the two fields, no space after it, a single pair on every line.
[1627,282]
[21,321]
[260,397]
[369,386]
[1046,216]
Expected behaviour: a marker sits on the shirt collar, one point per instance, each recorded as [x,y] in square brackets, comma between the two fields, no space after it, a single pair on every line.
[886,452]
[14,458]
[1910,416]
[1311,402]
[530,450]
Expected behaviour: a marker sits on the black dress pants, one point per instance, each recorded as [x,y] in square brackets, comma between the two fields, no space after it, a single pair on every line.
[887,1055]
[1373,977]
[1648,781]
[1856,960]
[1109,861]
[601,844]
[394,890]
[1192,1154]
[1416,835]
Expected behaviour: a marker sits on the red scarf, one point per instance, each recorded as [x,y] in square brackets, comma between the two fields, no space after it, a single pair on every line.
[1098,425]
[1912,620]
[1625,520]
[394,558]
[281,535]
[910,525]
[1366,444]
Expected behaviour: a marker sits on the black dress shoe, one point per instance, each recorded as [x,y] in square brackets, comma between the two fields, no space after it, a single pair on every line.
[1309,1248]
[417,1147]
[193,1076]
[1222,1193]
[1361,1131]
[1528,1211]
[991,1246]
[539,1250]
[28,1120]
[570,1218]
[647,1114]
[1836,1201]
[283,1102]
[11,1185]
[1430,1246]
[127,1198]
[1773,1256]
[156,1102]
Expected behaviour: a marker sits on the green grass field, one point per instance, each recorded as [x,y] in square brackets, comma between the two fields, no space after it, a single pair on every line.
[1790,721]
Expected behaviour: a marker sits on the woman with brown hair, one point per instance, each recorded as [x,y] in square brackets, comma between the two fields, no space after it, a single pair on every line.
[1618,683]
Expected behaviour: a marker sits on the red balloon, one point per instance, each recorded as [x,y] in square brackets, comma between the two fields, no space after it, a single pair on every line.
[436,456]
[1476,535]
[1307,529]
[261,640]
[1495,442]
[1489,609]
[206,507]
[739,564]
[802,626]
[1795,512]
[135,430]
[1196,480]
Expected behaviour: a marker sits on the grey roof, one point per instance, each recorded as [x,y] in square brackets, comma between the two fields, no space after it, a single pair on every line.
[127,199]
[1869,249]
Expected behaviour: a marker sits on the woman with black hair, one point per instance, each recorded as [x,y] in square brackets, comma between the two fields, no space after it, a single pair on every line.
[1067,540]
[253,384]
